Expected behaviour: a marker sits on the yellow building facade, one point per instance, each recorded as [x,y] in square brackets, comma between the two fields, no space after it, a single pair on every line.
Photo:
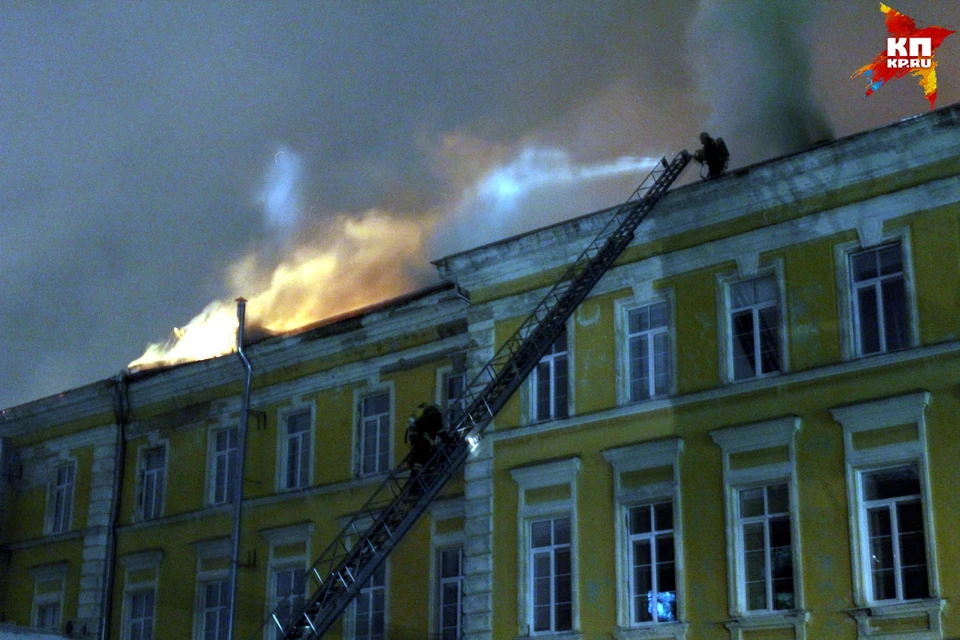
[748,431]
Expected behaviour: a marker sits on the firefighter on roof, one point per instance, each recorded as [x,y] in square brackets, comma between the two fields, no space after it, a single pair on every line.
[713,155]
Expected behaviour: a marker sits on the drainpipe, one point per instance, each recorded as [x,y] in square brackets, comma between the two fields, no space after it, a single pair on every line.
[122,410]
[238,471]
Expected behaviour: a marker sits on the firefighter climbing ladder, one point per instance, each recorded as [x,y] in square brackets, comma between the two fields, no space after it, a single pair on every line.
[373,532]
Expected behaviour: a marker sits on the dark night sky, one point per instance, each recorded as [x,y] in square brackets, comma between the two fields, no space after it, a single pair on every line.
[142,142]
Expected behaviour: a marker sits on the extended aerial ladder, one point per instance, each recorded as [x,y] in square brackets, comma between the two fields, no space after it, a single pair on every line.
[377,527]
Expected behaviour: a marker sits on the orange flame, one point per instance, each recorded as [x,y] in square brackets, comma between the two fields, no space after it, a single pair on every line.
[340,265]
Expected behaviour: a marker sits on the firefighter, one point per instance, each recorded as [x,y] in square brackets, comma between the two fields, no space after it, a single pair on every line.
[423,429]
[713,154]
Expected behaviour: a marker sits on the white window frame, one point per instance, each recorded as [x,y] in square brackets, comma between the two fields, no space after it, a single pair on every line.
[551,550]
[140,563]
[904,410]
[725,312]
[626,496]
[230,461]
[622,309]
[274,600]
[159,509]
[283,440]
[890,504]
[558,473]
[846,300]
[44,597]
[369,590]
[444,375]
[203,609]
[283,539]
[209,551]
[531,393]
[60,498]
[769,434]
[442,582]
[445,510]
[359,395]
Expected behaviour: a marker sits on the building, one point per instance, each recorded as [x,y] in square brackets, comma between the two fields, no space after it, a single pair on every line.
[748,431]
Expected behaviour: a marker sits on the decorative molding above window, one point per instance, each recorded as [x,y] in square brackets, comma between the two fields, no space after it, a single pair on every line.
[213,548]
[762,531]
[888,485]
[142,560]
[290,534]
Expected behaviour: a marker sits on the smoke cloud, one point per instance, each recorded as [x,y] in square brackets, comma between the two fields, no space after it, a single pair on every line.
[752,61]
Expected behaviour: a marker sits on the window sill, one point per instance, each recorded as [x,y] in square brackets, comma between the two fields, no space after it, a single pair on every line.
[761,620]
[887,619]
[653,631]
[557,635]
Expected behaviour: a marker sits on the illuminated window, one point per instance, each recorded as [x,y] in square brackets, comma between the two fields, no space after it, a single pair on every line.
[653,579]
[375,434]
[550,382]
[648,345]
[648,539]
[879,299]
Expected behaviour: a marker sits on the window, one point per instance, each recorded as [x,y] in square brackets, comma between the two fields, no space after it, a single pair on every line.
[153,462]
[551,575]
[225,459]
[370,612]
[216,610]
[765,546]
[754,329]
[879,300]
[454,384]
[648,345]
[296,450]
[551,382]
[547,551]
[48,616]
[288,589]
[892,522]
[375,434]
[140,616]
[648,540]
[48,588]
[653,580]
[759,476]
[450,593]
[894,541]
[61,498]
